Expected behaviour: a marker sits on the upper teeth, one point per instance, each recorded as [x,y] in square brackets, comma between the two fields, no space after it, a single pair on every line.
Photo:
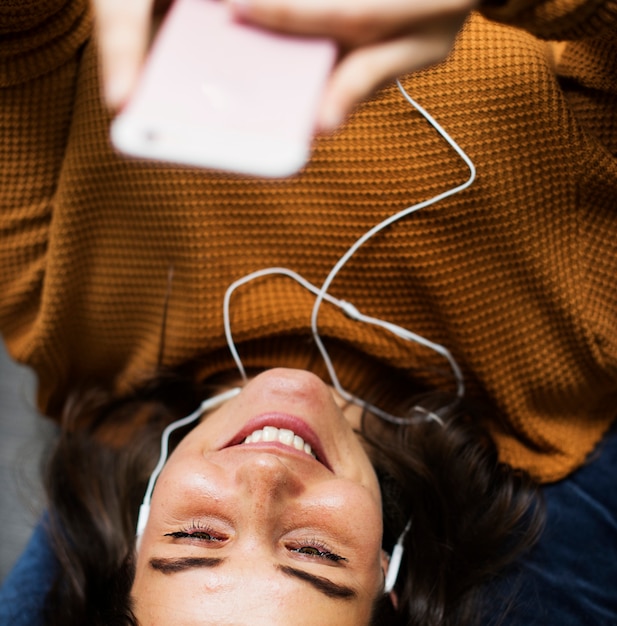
[282,435]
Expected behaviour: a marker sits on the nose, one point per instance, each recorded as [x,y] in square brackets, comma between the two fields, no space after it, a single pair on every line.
[268,479]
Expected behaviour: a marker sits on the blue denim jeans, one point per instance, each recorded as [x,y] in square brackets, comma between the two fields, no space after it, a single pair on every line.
[22,596]
[568,579]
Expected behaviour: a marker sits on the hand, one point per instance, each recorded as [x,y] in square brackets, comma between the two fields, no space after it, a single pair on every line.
[124,29]
[379,40]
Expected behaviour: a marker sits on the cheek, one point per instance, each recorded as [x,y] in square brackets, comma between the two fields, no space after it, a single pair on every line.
[363,513]
[185,477]
[355,512]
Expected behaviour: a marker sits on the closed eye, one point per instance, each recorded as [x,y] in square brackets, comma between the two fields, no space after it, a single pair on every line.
[318,552]
[198,534]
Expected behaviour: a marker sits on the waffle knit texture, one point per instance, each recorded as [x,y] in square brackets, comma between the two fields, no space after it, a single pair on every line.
[517,275]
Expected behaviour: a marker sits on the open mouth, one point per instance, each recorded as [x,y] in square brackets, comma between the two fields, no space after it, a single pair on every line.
[282,430]
[280,435]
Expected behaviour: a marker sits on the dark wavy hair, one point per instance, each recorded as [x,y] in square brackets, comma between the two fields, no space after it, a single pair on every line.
[471,515]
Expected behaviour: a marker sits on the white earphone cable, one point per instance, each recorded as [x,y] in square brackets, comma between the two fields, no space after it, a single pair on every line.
[206,405]
[322,293]
[371,233]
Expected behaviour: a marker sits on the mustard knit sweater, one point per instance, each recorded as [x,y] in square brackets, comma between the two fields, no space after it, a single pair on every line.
[517,275]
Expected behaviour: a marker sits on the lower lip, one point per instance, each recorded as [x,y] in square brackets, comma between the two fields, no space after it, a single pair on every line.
[281,420]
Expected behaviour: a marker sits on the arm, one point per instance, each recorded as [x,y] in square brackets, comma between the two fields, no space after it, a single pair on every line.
[379,39]
[558,20]
[38,68]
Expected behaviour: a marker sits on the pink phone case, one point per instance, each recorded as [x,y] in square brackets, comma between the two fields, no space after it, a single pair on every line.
[227,95]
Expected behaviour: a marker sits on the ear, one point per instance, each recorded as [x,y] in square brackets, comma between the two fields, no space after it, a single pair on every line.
[385,561]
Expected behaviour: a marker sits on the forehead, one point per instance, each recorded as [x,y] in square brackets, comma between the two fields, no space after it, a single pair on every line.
[243,592]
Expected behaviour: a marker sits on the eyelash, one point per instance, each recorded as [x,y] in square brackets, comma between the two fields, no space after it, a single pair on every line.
[322,551]
[197,531]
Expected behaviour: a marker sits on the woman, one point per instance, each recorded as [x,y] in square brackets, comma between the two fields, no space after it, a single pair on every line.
[494,272]
[245,520]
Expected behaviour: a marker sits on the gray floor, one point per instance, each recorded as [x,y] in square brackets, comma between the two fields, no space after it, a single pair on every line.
[23,438]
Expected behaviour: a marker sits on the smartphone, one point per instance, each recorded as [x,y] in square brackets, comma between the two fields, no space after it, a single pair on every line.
[223,94]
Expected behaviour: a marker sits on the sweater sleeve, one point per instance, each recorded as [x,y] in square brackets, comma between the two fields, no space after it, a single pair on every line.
[39,36]
[558,20]
[40,42]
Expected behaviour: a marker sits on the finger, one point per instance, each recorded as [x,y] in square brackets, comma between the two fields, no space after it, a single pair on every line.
[319,18]
[364,70]
[122,28]
[352,23]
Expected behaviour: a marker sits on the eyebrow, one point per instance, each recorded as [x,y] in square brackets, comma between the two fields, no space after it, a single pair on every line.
[173,566]
[324,585]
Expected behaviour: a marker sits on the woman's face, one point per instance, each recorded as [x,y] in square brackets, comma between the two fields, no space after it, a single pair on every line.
[263,532]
